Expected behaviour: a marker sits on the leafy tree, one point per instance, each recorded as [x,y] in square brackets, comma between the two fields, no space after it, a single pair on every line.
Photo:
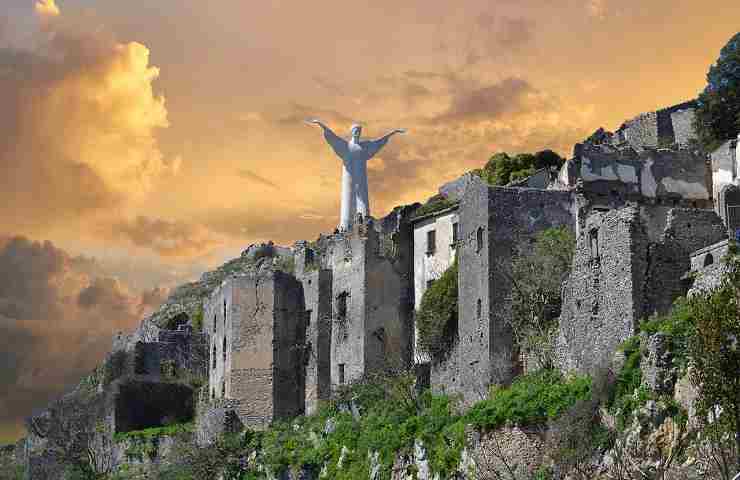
[715,354]
[437,316]
[718,113]
[537,276]
[501,168]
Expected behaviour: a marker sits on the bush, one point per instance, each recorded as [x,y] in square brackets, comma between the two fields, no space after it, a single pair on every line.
[434,204]
[437,316]
[503,169]
[531,400]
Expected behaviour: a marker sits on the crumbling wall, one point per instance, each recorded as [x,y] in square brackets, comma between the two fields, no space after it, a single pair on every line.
[494,221]
[611,176]
[683,126]
[372,297]
[347,252]
[629,263]
[602,298]
[641,131]
[317,364]
[263,332]
[686,231]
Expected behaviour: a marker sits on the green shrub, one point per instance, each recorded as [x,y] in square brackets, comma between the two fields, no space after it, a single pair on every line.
[286,264]
[198,319]
[434,204]
[502,169]
[156,432]
[531,400]
[678,326]
[437,316]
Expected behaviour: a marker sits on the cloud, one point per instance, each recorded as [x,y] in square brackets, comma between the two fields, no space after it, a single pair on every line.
[300,112]
[79,122]
[597,8]
[57,322]
[488,102]
[176,239]
[249,175]
[46,8]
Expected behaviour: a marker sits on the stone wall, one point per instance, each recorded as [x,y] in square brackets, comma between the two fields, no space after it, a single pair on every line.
[628,264]
[599,304]
[372,297]
[494,222]
[686,231]
[317,291]
[683,126]
[641,131]
[257,326]
[611,176]
[672,125]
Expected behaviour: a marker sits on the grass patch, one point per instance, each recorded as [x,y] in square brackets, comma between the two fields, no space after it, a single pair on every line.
[155,432]
[531,400]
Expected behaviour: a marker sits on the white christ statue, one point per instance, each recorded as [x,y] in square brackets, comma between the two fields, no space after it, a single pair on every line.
[354,154]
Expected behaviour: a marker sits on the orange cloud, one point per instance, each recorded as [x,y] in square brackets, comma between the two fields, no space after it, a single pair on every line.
[46,8]
[175,239]
[79,122]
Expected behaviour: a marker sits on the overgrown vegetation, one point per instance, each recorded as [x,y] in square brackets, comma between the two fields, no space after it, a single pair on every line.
[144,444]
[537,277]
[530,400]
[198,319]
[718,113]
[436,319]
[502,169]
[436,203]
[382,416]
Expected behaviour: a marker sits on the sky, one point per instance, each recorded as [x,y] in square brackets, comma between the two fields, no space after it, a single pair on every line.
[146,142]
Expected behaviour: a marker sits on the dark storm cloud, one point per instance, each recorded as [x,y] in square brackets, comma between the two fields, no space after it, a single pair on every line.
[56,322]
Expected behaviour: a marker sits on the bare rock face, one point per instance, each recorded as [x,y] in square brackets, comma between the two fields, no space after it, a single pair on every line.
[658,371]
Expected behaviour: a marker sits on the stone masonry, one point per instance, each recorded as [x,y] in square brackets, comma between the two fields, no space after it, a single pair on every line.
[494,222]
[256,322]
[628,264]
[371,327]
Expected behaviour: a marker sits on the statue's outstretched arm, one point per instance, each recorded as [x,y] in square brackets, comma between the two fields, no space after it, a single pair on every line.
[338,144]
[373,146]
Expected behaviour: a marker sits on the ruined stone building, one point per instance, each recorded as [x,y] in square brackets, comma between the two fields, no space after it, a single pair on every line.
[256,326]
[645,205]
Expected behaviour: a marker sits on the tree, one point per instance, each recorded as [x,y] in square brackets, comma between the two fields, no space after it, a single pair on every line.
[537,276]
[715,356]
[501,168]
[718,112]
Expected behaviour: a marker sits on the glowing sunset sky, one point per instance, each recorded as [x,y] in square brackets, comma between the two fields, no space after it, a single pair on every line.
[149,140]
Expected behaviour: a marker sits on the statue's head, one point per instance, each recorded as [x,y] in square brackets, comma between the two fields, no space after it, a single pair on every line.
[356,131]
